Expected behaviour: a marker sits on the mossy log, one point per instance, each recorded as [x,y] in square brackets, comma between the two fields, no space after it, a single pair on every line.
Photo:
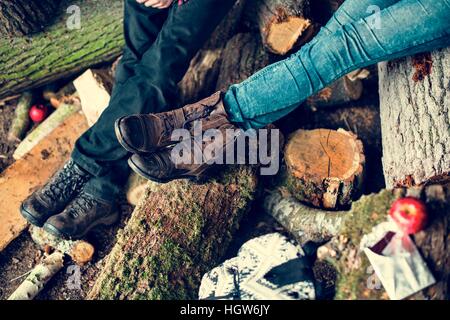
[62,51]
[21,119]
[283,24]
[352,265]
[414,109]
[23,17]
[325,167]
[243,56]
[179,231]
[303,222]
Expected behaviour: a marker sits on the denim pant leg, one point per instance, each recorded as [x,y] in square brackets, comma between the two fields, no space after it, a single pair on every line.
[405,28]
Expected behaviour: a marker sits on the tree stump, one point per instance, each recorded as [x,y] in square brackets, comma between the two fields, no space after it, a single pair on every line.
[414,109]
[178,232]
[324,167]
[283,24]
[23,17]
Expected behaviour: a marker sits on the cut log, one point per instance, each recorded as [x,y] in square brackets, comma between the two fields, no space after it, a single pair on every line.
[201,77]
[303,222]
[45,128]
[33,170]
[283,24]
[242,57]
[21,119]
[178,232]
[62,51]
[339,92]
[135,188]
[324,167]
[39,276]
[94,88]
[414,109]
[22,17]
[433,243]
[80,251]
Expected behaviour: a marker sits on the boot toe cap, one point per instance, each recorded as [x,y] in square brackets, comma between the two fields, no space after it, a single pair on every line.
[130,132]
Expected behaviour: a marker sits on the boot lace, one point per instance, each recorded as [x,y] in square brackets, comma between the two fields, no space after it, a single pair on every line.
[81,205]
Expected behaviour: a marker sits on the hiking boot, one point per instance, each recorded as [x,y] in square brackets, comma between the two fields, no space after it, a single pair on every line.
[84,213]
[54,196]
[189,159]
[148,133]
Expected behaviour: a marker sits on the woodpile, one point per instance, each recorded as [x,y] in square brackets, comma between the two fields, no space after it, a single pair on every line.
[335,152]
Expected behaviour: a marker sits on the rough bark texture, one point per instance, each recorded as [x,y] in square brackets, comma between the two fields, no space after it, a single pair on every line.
[433,243]
[303,222]
[21,119]
[324,167]
[178,232]
[339,92]
[282,23]
[60,51]
[414,115]
[242,57]
[22,17]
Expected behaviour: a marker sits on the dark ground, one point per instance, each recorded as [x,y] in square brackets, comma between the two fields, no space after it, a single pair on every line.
[362,117]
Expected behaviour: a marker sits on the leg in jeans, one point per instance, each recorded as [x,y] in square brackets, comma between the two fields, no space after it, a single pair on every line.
[406,27]
[157,55]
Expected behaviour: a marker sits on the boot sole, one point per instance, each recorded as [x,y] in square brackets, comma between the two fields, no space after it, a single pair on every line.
[30,218]
[143,174]
[105,222]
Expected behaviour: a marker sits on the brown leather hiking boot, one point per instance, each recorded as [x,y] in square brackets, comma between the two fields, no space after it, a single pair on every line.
[190,158]
[149,133]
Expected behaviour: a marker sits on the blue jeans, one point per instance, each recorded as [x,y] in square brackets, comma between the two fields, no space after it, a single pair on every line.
[352,39]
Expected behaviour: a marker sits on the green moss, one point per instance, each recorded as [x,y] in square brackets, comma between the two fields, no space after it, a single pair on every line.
[364,215]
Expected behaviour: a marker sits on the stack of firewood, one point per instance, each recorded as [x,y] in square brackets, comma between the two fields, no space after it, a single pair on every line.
[180,230]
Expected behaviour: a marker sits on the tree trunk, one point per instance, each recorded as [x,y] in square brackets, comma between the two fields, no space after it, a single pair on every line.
[242,57]
[433,243]
[283,24]
[179,231]
[324,167]
[23,17]
[62,51]
[414,116]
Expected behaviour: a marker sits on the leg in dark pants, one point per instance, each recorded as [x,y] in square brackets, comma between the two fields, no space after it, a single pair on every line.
[159,47]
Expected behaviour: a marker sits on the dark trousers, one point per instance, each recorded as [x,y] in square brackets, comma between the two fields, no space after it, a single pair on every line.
[159,47]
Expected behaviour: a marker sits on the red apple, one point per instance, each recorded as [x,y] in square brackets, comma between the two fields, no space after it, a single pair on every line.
[410,214]
[38,113]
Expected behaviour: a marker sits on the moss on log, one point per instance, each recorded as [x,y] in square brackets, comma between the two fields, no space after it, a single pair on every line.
[61,51]
[179,231]
[352,265]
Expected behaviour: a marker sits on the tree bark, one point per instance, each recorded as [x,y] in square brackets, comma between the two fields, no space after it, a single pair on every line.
[283,24]
[21,119]
[179,231]
[303,222]
[23,17]
[242,57]
[414,116]
[324,167]
[61,52]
